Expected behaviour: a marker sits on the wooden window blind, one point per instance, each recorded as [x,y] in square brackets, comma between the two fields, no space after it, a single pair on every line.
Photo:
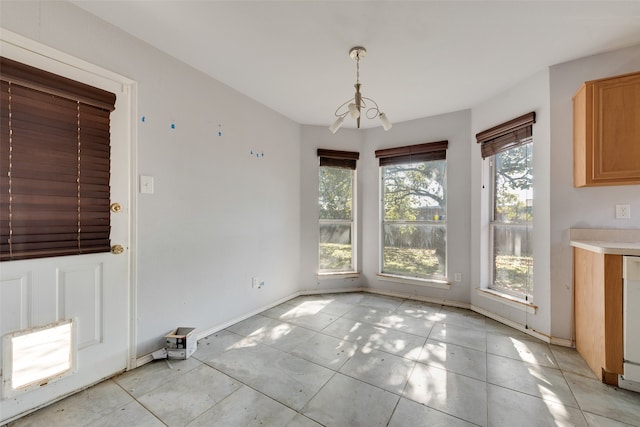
[339,159]
[413,153]
[54,164]
[506,135]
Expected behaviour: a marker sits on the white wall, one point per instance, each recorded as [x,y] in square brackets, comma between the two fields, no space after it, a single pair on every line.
[314,137]
[580,207]
[219,214]
[453,127]
[558,206]
[530,95]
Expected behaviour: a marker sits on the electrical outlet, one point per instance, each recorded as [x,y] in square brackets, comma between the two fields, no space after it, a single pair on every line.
[457,277]
[623,212]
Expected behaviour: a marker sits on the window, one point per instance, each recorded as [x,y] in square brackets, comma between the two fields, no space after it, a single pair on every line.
[336,203]
[54,164]
[510,154]
[414,211]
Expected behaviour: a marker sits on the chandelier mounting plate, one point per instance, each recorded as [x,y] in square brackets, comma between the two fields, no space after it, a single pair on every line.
[357,52]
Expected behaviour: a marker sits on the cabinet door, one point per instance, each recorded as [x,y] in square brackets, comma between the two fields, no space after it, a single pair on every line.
[598,312]
[616,130]
[588,276]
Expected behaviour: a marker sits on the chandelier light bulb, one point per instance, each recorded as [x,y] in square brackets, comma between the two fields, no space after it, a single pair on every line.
[336,125]
[386,124]
[354,111]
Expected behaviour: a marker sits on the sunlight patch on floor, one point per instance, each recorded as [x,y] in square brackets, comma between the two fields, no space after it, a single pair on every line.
[525,354]
[307,308]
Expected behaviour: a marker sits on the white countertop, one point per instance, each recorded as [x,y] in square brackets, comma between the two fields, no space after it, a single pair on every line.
[606,247]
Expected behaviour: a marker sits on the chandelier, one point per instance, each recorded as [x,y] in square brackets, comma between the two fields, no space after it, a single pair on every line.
[359,104]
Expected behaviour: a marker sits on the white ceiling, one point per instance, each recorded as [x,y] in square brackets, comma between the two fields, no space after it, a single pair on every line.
[424,57]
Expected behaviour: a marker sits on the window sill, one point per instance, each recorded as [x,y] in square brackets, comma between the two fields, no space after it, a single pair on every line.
[431,283]
[339,275]
[509,300]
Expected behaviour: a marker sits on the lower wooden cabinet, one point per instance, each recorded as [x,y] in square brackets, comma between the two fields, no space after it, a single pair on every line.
[598,312]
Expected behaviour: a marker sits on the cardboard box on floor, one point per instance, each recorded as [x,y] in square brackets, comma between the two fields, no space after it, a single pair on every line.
[181,343]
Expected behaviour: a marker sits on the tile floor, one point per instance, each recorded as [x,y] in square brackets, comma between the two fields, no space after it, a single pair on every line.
[356,359]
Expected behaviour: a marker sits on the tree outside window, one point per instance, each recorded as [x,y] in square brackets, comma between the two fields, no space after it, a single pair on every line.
[414,219]
[512,220]
[336,252]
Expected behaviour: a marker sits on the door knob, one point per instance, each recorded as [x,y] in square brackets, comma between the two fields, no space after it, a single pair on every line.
[117,249]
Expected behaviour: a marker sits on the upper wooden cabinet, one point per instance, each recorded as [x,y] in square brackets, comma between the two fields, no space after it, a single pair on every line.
[606,132]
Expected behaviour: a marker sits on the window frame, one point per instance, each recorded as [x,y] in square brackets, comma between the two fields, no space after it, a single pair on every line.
[501,138]
[408,155]
[342,160]
[493,223]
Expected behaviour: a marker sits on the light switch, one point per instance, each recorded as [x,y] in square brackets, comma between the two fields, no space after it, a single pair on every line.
[146,184]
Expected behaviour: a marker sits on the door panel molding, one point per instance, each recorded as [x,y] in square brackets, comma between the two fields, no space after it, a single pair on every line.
[15,303]
[80,296]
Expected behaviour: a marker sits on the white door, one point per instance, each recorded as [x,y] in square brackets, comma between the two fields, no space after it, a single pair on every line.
[92,290]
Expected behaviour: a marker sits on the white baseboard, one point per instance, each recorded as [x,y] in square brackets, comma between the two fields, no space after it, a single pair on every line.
[387,293]
[536,334]
[510,323]
[203,333]
[143,360]
[212,330]
[417,298]
[217,328]
[543,337]
[562,342]
[331,291]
